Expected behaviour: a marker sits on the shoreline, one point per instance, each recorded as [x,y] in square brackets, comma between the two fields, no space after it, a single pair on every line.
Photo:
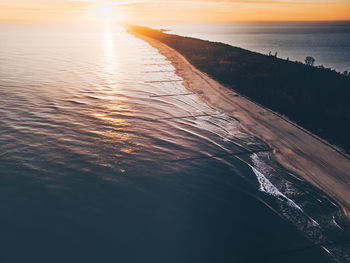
[296,149]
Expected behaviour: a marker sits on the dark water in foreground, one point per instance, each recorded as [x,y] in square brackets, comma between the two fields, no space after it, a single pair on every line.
[327,42]
[94,168]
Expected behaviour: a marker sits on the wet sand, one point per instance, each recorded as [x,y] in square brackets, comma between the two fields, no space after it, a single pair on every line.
[303,153]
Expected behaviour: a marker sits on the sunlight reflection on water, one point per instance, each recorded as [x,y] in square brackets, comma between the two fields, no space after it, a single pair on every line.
[109,63]
[79,139]
[113,113]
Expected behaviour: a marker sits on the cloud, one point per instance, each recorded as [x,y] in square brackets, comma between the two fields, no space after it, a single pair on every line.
[86,3]
[181,9]
[42,4]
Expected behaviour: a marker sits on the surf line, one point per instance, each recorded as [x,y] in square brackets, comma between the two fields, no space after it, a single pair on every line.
[221,155]
[181,117]
[185,117]
[157,71]
[158,64]
[171,95]
[161,81]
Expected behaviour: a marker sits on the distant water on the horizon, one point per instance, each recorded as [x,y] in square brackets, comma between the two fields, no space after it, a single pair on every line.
[327,42]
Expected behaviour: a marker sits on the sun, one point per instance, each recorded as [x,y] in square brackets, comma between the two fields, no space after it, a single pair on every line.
[106,11]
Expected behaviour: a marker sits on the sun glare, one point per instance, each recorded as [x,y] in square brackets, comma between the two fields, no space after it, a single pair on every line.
[106,12]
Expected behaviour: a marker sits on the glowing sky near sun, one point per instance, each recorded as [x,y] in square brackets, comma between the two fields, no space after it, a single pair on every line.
[174,10]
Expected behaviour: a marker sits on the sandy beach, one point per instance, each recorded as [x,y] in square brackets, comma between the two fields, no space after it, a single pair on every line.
[296,149]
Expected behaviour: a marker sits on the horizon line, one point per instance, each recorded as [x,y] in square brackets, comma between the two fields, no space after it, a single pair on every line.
[174,21]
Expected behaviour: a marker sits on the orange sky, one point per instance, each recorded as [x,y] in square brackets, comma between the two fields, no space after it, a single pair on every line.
[173,10]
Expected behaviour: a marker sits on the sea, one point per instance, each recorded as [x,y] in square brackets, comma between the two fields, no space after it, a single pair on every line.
[327,42]
[106,157]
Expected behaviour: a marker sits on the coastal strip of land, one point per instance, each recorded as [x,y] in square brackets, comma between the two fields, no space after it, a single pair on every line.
[298,150]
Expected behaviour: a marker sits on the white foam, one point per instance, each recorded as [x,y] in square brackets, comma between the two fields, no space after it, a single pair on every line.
[326,250]
[267,187]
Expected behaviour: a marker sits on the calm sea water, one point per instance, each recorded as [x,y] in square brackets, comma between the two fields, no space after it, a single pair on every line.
[99,164]
[327,42]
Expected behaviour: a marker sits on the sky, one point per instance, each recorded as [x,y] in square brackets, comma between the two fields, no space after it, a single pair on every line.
[174,10]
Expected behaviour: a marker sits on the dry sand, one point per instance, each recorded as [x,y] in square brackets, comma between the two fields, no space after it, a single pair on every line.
[294,148]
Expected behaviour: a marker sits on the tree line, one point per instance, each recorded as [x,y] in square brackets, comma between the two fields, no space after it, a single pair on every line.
[314,97]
